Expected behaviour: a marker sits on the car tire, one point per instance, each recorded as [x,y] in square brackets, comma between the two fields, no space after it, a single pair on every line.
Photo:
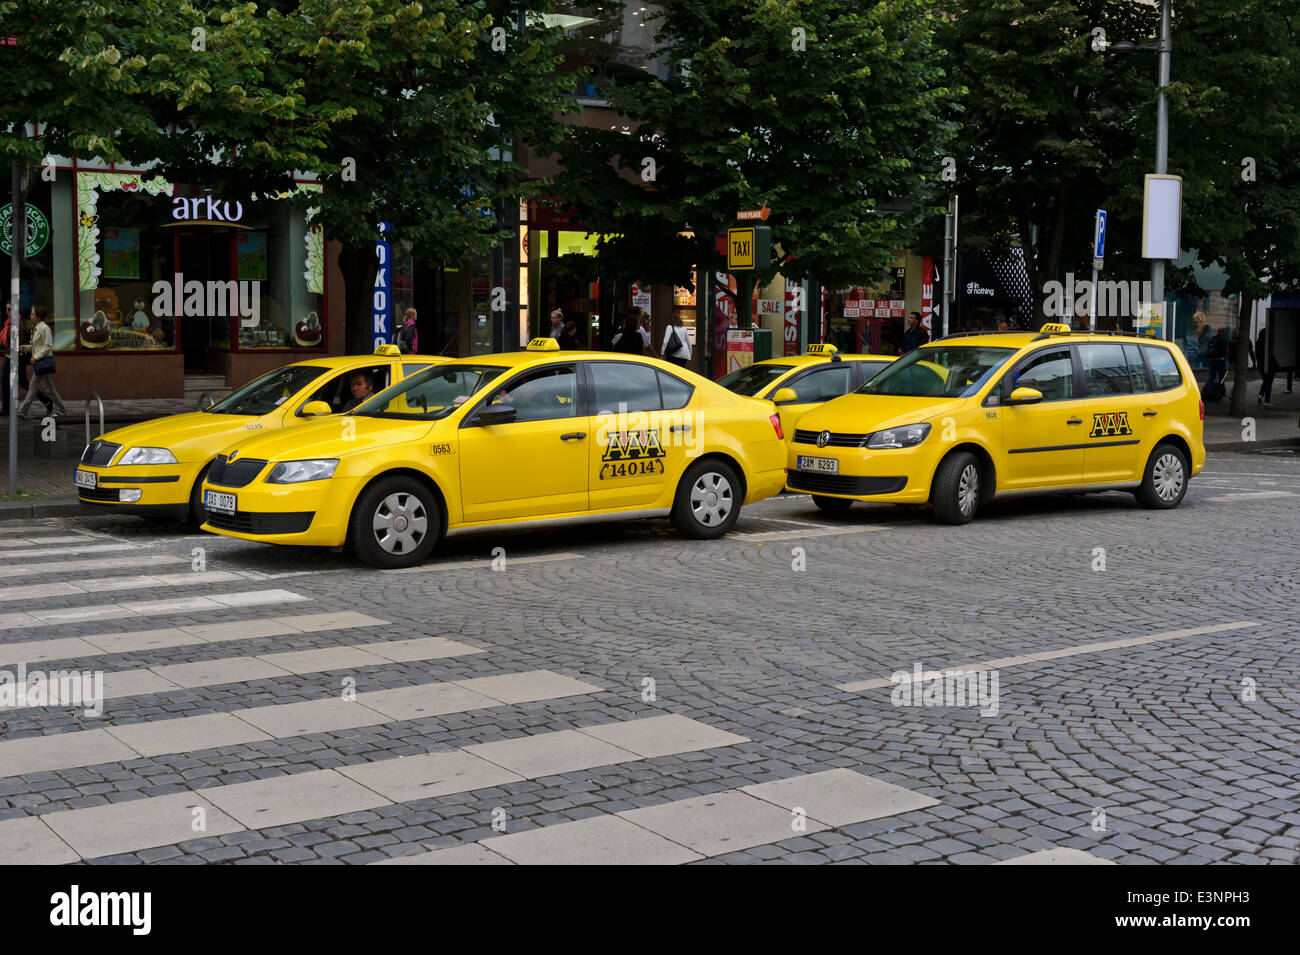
[1164,480]
[708,499]
[396,523]
[955,493]
[835,506]
[198,515]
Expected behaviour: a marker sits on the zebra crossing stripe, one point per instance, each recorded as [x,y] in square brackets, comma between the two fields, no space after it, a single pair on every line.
[58,551]
[372,708]
[697,828]
[90,563]
[139,824]
[146,608]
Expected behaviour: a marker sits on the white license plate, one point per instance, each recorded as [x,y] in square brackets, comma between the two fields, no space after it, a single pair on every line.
[824,465]
[85,478]
[221,503]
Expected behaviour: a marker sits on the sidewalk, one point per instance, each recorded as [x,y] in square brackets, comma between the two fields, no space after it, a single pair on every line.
[45,485]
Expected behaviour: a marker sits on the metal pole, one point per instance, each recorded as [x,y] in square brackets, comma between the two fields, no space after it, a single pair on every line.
[1162,140]
[1092,303]
[18,240]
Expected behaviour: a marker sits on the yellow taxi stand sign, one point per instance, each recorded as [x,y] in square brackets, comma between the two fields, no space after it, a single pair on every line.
[543,344]
[748,247]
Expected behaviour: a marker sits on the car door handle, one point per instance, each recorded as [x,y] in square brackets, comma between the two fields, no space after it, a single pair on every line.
[573,436]
[1149,414]
[1074,421]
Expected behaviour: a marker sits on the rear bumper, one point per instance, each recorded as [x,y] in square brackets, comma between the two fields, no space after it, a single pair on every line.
[764,484]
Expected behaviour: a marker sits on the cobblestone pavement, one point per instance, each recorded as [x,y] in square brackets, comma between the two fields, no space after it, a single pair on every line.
[514,728]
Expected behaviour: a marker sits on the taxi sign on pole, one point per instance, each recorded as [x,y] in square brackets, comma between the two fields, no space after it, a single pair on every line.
[748,248]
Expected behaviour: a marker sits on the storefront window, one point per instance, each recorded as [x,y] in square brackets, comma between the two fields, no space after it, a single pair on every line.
[165,267]
[37,280]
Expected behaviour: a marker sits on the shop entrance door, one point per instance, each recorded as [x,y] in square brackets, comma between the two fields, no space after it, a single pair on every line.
[204,254]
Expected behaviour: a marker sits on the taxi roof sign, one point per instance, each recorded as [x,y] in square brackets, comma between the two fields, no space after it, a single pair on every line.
[543,344]
[386,349]
[1052,328]
[823,349]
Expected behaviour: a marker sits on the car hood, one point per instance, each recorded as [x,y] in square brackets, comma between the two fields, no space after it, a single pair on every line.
[334,437]
[862,414]
[190,437]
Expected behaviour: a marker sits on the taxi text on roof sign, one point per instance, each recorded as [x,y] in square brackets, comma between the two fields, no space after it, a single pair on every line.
[1054,329]
[824,349]
[543,344]
[383,349]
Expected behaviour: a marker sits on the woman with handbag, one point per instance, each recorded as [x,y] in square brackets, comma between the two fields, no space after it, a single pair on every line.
[42,348]
[676,347]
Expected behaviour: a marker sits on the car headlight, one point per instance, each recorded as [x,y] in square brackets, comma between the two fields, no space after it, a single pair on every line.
[908,436]
[295,472]
[147,456]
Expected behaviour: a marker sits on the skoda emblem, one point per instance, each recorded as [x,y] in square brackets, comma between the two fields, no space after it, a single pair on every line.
[823,439]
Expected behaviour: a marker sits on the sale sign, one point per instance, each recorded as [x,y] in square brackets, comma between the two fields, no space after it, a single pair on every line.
[793,316]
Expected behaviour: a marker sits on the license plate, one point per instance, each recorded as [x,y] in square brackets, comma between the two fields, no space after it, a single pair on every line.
[824,465]
[85,478]
[221,503]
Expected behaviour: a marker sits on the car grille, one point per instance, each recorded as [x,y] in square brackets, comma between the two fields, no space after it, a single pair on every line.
[98,494]
[836,440]
[253,522]
[236,474]
[844,484]
[99,453]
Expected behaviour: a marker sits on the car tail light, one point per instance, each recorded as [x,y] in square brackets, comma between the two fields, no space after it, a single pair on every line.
[776,425]
[1202,410]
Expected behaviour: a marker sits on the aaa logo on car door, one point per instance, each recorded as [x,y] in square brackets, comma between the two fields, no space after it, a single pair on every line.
[628,453]
[1108,423]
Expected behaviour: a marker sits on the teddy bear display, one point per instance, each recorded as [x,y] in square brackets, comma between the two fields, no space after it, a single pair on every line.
[308,332]
[94,333]
[106,302]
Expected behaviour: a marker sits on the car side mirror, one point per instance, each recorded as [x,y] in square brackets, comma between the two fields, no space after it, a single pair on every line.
[313,409]
[1025,396]
[785,396]
[495,414]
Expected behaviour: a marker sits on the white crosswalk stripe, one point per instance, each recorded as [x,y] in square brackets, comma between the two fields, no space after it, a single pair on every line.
[147,608]
[15,569]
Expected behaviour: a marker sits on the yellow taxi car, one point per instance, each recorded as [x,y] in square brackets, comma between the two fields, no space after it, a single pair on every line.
[155,469]
[535,436]
[968,417]
[798,383]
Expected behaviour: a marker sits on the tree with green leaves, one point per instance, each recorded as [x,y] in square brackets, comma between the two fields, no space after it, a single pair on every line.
[833,114]
[1052,130]
[1235,140]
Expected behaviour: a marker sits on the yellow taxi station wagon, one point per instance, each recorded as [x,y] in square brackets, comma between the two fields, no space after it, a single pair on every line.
[968,417]
[155,469]
[536,436]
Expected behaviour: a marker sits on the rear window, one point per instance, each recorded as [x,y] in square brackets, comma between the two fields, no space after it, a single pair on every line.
[1164,369]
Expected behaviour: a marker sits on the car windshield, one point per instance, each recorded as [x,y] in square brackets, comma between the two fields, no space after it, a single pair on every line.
[430,394]
[750,381]
[941,371]
[263,395]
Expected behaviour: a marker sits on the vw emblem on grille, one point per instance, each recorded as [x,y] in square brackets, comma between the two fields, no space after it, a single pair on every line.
[232,455]
[823,439]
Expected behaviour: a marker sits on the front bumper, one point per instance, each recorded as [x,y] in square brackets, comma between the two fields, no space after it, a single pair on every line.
[892,475]
[163,489]
[311,514]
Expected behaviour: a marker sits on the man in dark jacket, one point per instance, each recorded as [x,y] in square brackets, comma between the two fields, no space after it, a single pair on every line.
[915,336]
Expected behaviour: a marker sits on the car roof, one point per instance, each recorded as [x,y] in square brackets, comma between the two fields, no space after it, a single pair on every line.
[347,361]
[1020,339]
[796,361]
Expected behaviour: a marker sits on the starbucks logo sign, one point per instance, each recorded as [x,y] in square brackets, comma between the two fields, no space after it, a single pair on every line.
[38,230]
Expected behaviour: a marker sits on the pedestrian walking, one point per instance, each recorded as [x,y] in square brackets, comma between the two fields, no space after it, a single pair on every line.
[629,337]
[1216,353]
[1267,370]
[557,324]
[916,335]
[568,337]
[12,328]
[42,350]
[408,336]
[642,327]
[676,346]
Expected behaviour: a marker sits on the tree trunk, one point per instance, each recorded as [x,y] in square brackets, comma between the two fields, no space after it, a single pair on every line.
[1240,363]
[359,267]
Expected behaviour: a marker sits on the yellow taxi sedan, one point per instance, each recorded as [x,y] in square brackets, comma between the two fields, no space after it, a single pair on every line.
[800,382]
[969,417]
[539,436]
[155,469]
